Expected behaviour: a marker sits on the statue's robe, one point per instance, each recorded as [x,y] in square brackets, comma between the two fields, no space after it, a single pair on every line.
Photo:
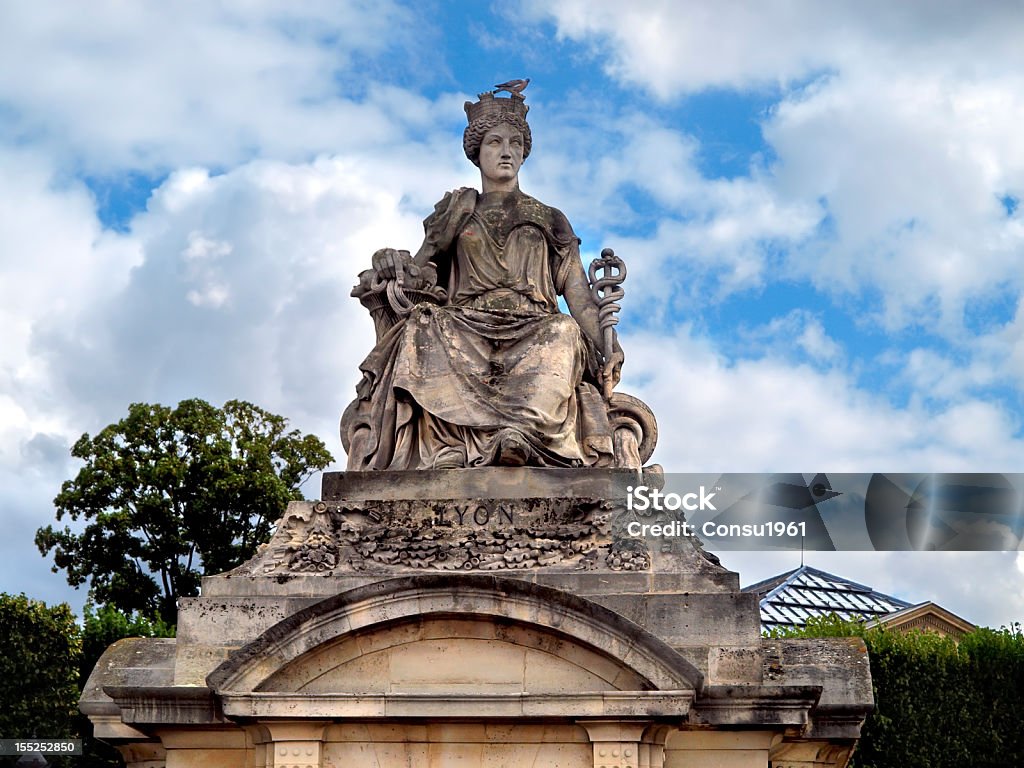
[444,385]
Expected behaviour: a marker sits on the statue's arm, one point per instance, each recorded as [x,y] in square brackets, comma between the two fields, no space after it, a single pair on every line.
[388,263]
[440,230]
[582,307]
[426,253]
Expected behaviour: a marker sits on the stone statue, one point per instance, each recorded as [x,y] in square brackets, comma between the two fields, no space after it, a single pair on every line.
[475,364]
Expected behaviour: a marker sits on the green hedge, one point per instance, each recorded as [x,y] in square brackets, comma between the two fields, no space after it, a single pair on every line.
[45,659]
[40,651]
[939,702]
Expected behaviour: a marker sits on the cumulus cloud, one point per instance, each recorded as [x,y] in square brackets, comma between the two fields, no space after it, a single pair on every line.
[912,171]
[894,136]
[670,48]
[798,335]
[229,284]
[635,181]
[56,260]
[150,85]
[767,414]
[241,291]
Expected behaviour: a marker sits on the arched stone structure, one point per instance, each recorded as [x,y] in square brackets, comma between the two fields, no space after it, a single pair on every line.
[573,665]
[499,614]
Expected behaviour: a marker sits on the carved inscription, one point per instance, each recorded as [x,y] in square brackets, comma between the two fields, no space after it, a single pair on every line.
[473,535]
[475,513]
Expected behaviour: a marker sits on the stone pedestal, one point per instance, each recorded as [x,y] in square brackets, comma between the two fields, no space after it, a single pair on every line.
[494,617]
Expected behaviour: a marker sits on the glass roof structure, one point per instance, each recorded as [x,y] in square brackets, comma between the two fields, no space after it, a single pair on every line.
[789,599]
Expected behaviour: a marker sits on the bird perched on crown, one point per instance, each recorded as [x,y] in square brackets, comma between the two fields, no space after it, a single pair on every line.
[512,86]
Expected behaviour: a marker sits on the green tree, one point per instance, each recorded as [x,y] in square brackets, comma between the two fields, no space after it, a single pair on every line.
[40,648]
[167,492]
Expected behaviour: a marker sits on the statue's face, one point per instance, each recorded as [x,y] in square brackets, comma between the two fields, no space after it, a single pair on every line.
[501,153]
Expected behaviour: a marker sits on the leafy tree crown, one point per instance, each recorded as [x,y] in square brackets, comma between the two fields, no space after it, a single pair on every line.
[171,494]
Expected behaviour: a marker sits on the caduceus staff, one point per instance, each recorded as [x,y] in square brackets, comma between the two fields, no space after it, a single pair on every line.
[607,291]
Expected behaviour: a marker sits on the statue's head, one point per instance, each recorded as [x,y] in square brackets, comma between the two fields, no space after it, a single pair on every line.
[490,112]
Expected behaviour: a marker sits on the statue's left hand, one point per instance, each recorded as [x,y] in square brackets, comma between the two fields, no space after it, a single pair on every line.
[613,365]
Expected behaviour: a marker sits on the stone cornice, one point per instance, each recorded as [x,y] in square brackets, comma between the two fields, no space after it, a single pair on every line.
[673,705]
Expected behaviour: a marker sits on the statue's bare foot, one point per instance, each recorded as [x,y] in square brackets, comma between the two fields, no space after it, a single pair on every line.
[513,450]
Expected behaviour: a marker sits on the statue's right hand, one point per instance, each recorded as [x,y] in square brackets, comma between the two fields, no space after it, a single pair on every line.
[388,263]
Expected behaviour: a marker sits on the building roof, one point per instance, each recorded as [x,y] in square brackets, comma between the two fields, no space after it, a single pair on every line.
[790,599]
[928,616]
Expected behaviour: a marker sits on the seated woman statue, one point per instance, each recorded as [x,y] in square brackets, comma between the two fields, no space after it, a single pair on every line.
[497,375]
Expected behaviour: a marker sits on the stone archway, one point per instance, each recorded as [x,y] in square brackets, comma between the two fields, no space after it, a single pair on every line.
[334,644]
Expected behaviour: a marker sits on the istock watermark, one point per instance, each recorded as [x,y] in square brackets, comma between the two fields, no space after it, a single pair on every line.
[711,530]
[829,512]
[642,498]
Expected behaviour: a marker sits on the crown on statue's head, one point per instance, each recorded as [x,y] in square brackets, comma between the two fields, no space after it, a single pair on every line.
[490,105]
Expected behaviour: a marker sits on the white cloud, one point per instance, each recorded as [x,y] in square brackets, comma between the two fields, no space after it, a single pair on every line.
[912,181]
[1002,350]
[150,85]
[713,236]
[797,335]
[932,375]
[815,341]
[55,261]
[670,48]
[230,285]
[768,414]
[896,130]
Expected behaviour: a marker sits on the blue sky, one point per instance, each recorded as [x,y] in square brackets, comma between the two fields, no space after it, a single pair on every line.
[818,203]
